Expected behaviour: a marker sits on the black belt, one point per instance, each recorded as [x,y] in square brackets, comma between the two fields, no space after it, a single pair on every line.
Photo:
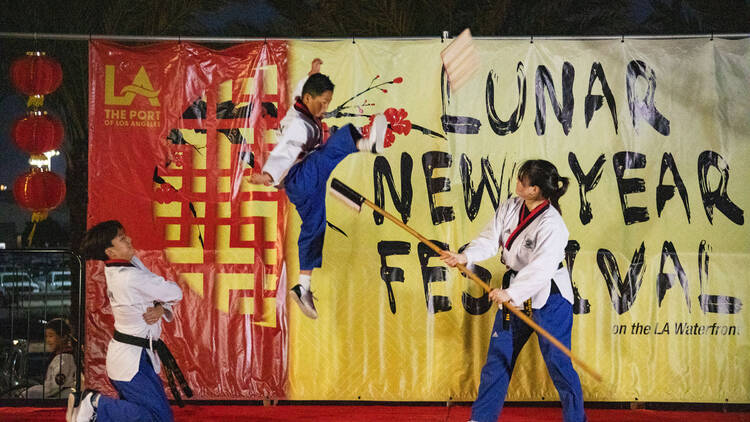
[170,364]
[526,304]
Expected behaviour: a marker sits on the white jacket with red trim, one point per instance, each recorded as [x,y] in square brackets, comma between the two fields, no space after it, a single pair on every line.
[535,254]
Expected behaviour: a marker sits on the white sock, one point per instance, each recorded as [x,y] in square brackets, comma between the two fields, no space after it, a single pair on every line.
[304,281]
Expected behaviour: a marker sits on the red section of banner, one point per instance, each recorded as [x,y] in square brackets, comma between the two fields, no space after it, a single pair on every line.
[174,128]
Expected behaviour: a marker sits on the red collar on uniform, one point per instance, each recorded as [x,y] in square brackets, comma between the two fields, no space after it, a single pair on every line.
[118,263]
[302,108]
[525,217]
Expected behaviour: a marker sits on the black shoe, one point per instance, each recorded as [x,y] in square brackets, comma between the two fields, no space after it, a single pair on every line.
[304,300]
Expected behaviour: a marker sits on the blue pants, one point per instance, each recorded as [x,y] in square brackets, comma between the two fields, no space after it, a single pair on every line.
[141,399]
[556,316]
[305,186]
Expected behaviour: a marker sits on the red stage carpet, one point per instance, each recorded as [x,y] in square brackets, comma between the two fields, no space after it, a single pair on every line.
[390,414]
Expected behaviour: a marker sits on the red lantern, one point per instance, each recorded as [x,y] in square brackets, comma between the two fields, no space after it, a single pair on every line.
[37,132]
[36,74]
[39,191]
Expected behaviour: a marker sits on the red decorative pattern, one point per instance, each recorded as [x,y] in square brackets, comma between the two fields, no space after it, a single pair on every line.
[166,193]
[189,210]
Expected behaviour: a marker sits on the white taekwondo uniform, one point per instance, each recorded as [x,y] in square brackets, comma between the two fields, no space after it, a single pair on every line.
[533,244]
[536,254]
[131,291]
[298,135]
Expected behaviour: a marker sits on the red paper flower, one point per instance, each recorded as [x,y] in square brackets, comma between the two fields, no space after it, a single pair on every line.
[166,193]
[178,158]
[397,120]
[390,138]
[398,80]
[365,130]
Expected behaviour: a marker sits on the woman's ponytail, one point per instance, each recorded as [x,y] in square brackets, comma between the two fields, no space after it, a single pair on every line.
[543,174]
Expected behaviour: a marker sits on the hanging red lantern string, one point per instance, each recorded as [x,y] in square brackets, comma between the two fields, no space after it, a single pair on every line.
[39,191]
[37,133]
[36,75]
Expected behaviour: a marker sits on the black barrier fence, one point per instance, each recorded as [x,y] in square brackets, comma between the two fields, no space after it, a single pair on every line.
[41,293]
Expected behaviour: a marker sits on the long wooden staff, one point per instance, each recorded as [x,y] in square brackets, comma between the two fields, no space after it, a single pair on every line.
[350,197]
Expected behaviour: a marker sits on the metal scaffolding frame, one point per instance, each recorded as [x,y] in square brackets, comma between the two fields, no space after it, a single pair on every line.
[445,35]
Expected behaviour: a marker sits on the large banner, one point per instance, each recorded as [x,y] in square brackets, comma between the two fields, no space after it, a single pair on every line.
[174,128]
[652,134]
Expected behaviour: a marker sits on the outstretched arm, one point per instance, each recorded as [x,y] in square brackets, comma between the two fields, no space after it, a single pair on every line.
[315,66]
[481,248]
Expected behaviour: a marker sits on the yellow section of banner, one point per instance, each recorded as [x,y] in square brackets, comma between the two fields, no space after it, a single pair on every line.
[652,135]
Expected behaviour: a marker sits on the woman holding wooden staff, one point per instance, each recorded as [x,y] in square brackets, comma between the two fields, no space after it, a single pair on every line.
[532,235]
